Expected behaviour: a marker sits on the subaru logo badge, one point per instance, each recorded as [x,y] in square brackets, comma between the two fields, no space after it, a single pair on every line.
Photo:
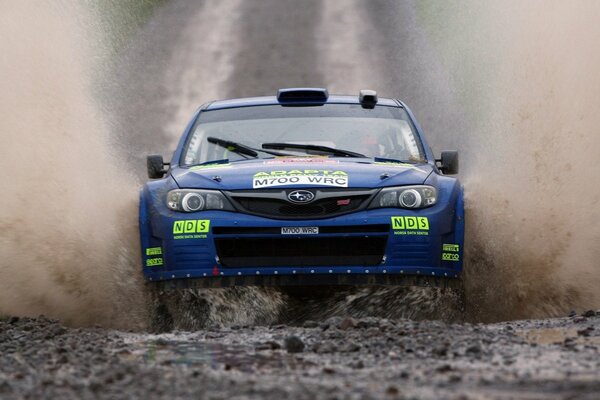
[301,196]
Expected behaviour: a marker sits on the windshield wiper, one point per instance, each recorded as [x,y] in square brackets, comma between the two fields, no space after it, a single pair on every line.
[233,146]
[242,148]
[313,147]
[393,160]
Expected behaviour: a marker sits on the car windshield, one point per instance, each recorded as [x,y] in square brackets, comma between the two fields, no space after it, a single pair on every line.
[333,130]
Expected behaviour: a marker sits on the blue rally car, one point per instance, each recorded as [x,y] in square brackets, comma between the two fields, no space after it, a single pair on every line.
[302,188]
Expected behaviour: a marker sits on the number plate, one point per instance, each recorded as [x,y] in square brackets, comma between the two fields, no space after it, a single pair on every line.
[299,230]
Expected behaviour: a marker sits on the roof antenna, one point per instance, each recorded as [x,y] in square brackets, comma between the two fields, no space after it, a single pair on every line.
[367,98]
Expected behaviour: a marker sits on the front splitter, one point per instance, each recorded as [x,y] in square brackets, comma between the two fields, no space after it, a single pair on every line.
[309,280]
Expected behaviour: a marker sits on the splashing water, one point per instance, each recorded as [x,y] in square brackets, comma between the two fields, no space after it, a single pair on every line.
[533,198]
[515,87]
[67,222]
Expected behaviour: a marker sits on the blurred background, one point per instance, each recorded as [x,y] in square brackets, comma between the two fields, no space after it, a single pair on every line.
[90,88]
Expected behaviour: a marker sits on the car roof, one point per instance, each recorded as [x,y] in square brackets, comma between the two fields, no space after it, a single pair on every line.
[272,100]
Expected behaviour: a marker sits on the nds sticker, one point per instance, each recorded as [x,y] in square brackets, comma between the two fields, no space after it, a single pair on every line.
[410,225]
[191,229]
[300,177]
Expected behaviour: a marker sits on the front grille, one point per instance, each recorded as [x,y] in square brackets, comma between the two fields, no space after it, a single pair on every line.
[283,209]
[324,251]
[274,203]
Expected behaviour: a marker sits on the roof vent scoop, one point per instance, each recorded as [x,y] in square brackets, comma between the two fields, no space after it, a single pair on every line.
[302,95]
[368,98]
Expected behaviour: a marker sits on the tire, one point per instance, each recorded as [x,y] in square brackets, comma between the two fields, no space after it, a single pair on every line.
[160,319]
[183,309]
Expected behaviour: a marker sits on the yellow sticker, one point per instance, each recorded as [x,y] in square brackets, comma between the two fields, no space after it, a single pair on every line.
[450,247]
[189,228]
[450,257]
[410,225]
[153,262]
[153,251]
[397,223]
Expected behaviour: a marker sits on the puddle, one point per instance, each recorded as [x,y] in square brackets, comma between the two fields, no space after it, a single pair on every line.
[547,335]
[210,354]
[556,336]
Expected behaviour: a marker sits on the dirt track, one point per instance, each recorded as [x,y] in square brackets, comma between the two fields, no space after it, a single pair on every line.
[193,52]
[334,359]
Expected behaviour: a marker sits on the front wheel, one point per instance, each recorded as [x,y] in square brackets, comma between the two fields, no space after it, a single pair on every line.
[184,309]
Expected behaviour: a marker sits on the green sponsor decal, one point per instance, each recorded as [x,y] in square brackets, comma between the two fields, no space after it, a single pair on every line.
[153,251]
[410,225]
[451,247]
[153,262]
[300,172]
[450,257]
[190,228]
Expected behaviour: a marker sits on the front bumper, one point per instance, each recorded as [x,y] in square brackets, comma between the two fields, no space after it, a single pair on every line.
[365,247]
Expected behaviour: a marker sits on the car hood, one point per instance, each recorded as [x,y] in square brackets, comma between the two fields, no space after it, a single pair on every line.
[318,172]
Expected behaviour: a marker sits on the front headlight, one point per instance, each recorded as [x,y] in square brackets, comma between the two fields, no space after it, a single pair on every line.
[405,197]
[191,200]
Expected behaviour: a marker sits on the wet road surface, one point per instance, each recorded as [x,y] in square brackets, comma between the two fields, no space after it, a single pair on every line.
[340,358]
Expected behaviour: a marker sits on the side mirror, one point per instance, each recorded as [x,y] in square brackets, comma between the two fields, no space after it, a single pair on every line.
[156,167]
[448,164]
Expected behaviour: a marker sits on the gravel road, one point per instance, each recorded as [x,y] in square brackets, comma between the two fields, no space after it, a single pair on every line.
[340,358]
[193,52]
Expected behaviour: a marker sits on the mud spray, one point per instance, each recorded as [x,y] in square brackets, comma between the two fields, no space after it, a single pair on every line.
[515,87]
[533,193]
[68,220]
[68,236]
